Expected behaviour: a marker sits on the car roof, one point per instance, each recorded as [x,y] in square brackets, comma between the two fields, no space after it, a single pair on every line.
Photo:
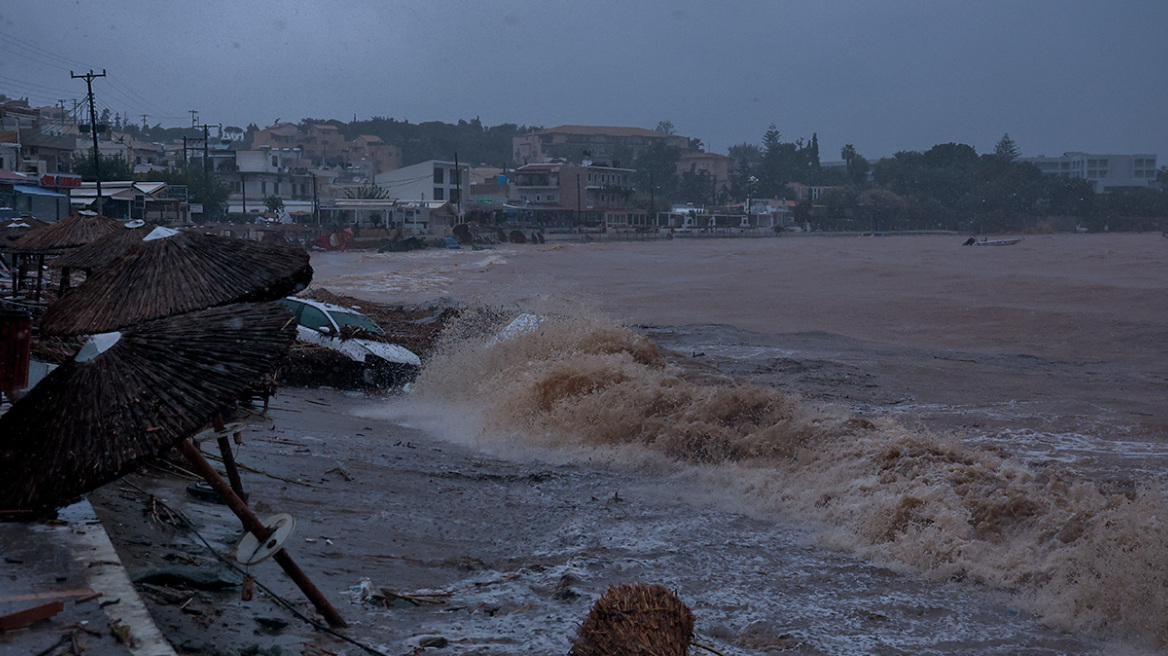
[327,307]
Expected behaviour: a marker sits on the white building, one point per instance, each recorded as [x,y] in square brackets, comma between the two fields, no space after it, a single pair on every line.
[265,172]
[432,180]
[1104,171]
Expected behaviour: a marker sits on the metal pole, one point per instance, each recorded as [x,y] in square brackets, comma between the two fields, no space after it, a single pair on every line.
[253,525]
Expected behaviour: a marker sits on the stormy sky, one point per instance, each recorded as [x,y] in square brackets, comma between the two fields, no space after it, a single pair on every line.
[886,76]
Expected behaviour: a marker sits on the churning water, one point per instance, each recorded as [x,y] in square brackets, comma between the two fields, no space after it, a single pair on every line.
[962,455]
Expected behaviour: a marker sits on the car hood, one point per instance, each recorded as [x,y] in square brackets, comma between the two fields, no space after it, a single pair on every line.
[359,349]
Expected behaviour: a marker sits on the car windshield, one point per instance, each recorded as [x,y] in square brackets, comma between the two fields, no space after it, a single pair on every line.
[353,319]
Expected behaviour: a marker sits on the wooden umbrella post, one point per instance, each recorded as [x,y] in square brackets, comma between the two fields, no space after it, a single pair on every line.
[228,458]
[253,525]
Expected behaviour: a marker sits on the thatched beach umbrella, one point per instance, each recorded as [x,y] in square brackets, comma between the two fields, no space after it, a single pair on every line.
[17,227]
[55,238]
[90,422]
[635,619]
[177,273]
[71,232]
[101,252]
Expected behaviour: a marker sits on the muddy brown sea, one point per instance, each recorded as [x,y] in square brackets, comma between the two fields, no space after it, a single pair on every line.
[852,445]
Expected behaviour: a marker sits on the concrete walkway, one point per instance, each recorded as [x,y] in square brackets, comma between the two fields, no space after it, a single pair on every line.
[71,560]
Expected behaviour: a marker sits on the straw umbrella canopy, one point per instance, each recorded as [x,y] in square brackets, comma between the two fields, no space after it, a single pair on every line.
[55,238]
[90,422]
[101,252]
[71,232]
[17,227]
[179,273]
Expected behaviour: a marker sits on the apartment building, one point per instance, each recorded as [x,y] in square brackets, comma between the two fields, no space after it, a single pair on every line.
[560,193]
[325,145]
[432,180]
[580,143]
[1105,172]
[264,172]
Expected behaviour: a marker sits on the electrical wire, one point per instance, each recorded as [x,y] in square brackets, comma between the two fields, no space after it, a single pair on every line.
[287,605]
[25,45]
[126,94]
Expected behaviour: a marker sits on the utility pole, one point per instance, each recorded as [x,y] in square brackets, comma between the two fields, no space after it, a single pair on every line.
[458,186]
[206,159]
[194,117]
[88,77]
[315,202]
[144,122]
[652,196]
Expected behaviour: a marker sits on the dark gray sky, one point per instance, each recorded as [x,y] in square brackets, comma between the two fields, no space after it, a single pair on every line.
[885,76]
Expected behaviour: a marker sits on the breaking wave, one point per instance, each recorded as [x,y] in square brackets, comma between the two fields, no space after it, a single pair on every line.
[1085,556]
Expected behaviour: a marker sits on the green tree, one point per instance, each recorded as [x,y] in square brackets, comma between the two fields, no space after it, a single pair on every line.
[368,191]
[881,208]
[112,167]
[657,172]
[209,191]
[696,187]
[747,160]
[856,167]
[1007,149]
[274,203]
[1068,196]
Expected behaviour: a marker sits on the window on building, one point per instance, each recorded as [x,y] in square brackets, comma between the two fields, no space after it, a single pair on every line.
[454,196]
[275,161]
[439,175]
[439,192]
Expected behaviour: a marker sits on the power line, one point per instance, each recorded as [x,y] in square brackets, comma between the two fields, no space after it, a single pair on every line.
[31,52]
[40,88]
[157,111]
[20,43]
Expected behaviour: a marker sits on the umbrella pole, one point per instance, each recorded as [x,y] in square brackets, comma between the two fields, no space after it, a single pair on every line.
[253,525]
[40,275]
[228,459]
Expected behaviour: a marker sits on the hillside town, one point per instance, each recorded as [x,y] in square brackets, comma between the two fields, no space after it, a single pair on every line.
[303,181]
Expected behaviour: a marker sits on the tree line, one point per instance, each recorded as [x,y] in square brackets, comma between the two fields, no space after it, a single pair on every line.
[950,186]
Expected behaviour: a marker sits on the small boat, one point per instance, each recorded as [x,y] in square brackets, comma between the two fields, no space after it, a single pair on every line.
[974,241]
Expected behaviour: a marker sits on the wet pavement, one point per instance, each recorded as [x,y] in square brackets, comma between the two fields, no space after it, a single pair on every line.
[71,560]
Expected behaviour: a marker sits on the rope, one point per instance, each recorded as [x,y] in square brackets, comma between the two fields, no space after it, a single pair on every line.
[185,523]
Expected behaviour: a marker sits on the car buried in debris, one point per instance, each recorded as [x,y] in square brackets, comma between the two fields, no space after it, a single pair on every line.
[375,361]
